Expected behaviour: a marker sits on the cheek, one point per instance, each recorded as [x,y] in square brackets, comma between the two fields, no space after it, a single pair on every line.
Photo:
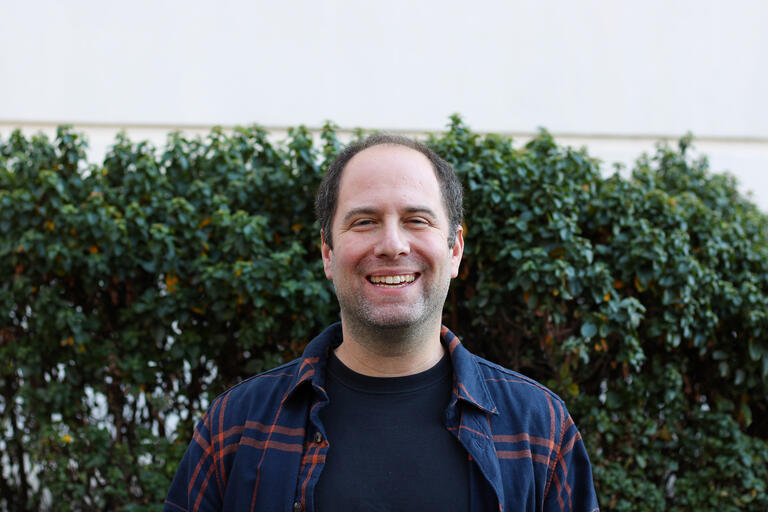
[353,250]
[436,252]
[346,261]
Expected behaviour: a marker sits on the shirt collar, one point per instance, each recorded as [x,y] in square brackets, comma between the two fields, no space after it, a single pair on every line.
[311,365]
[469,385]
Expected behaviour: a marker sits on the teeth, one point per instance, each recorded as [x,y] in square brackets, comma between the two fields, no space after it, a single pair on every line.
[400,279]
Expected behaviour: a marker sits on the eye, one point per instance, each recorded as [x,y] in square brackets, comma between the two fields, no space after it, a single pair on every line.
[362,223]
[418,221]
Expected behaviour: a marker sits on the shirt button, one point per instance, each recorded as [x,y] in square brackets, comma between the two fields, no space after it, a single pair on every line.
[318,438]
[297,506]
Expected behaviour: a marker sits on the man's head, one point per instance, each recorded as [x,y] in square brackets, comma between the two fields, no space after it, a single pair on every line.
[326,201]
[389,263]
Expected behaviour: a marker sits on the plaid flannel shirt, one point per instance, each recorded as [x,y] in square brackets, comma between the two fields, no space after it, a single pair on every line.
[261,445]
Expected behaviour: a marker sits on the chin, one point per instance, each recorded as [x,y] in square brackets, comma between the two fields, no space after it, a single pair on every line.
[406,319]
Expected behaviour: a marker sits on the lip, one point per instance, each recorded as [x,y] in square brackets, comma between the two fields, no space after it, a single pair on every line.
[380,273]
[393,272]
[386,273]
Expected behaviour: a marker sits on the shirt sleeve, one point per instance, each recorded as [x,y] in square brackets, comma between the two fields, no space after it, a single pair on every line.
[571,487]
[196,486]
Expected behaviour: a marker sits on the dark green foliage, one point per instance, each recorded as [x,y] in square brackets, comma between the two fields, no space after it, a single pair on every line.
[133,292]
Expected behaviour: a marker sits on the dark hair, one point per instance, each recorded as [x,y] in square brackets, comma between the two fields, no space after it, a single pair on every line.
[328,192]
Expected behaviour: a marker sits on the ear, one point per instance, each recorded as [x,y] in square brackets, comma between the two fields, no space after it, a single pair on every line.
[457,251]
[327,253]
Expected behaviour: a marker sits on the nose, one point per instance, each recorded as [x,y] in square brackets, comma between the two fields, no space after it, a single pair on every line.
[392,243]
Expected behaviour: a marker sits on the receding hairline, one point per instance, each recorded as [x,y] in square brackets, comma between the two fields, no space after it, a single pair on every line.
[395,145]
[391,145]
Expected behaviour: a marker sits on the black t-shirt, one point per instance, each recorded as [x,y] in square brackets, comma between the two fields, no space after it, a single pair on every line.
[389,450]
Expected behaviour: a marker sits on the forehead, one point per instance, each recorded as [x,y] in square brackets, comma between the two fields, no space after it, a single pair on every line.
[386,167]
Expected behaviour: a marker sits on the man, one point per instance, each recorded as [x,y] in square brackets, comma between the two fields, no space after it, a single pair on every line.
[386,411]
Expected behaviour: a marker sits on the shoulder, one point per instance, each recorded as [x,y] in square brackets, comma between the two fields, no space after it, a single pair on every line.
[263,396]
[257,398]
[519,395]
[280,377]
[505,380]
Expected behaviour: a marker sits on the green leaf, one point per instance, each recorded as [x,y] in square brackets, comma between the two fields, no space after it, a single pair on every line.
[588,330]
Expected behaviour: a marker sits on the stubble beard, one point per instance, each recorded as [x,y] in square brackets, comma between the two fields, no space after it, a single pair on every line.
[393,328]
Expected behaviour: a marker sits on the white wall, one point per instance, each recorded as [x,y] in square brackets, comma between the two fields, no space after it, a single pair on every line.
[615,75]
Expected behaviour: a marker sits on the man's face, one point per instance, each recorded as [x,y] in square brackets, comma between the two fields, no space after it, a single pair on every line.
[391,264]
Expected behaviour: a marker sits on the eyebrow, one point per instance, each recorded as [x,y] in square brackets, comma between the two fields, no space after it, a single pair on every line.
[366,210]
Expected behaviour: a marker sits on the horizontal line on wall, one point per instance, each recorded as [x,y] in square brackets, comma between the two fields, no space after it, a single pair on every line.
[12,124]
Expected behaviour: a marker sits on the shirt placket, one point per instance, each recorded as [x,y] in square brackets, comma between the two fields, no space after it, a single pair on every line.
[313,458]
[470,426]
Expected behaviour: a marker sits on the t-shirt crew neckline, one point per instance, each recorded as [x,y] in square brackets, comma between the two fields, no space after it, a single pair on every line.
[388,385]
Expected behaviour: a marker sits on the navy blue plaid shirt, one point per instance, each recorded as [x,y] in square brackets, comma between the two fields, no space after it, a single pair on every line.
[261,445]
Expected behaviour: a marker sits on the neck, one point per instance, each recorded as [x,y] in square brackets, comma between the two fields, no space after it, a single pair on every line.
[390,352]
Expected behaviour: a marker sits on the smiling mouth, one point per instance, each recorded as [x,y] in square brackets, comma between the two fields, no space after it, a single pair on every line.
[394,281]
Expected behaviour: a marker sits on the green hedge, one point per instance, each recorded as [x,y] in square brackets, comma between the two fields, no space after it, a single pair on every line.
[134,291]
